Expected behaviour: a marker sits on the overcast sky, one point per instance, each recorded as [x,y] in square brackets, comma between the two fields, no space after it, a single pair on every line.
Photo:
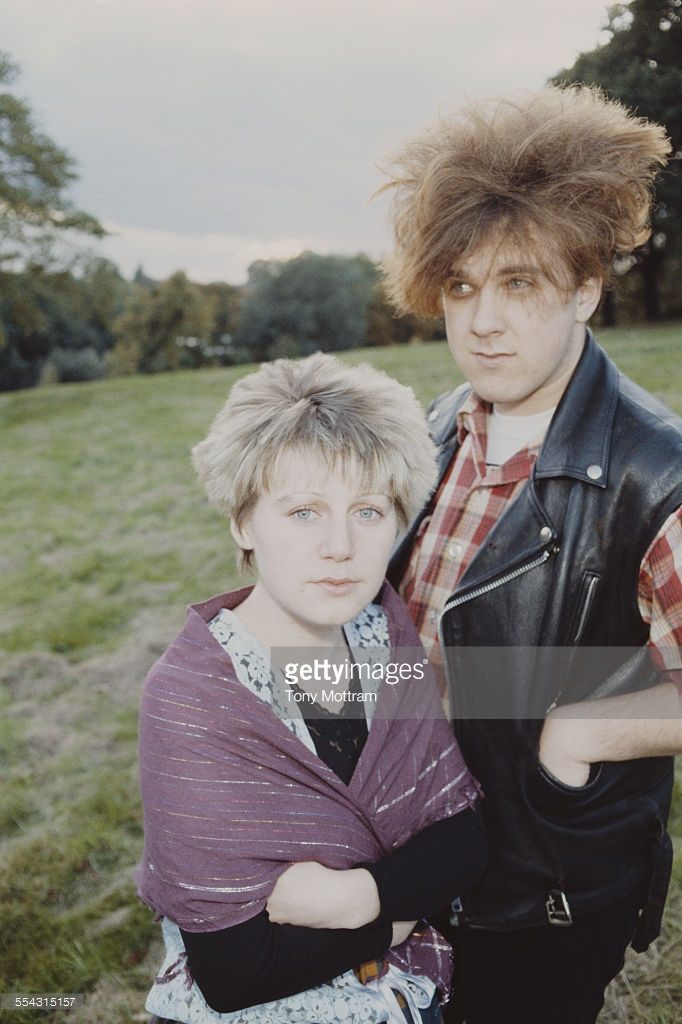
[210,133]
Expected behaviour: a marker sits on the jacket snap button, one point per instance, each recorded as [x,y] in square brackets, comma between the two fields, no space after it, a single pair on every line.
[594,471]
[545,533]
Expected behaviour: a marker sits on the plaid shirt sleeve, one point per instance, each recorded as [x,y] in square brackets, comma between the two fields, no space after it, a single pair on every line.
[659,597]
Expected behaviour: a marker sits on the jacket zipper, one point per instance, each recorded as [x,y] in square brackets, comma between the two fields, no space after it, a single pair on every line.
[563,915]
[485,588]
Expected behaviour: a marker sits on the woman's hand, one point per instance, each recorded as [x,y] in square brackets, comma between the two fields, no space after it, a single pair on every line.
[401,932]
[313,896]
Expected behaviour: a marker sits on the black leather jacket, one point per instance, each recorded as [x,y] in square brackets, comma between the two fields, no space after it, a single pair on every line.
[555,579]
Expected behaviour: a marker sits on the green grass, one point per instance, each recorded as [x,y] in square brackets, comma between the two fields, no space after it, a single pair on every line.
[106,536]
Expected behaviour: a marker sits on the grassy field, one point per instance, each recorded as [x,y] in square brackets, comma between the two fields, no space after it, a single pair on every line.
[106,537]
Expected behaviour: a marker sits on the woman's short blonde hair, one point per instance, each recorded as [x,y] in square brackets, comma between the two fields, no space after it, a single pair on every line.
[565,171]
[355,418]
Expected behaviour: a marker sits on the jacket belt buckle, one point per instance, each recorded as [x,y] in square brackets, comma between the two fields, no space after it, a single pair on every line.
[558,910]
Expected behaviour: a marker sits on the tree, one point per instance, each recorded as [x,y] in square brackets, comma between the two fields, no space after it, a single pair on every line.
[34,176]
[386,327]
[163,328]
[57,322]
[104,292]
[641,65]
[36,217]
[320,301]
[226,300]
[24,328]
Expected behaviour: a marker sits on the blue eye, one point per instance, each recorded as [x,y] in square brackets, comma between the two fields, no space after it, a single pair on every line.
[303,515]
[368,513]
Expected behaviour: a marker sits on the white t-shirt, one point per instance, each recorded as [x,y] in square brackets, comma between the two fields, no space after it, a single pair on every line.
[507,435]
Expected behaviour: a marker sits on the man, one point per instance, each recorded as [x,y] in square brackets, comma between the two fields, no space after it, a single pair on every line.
[547,567]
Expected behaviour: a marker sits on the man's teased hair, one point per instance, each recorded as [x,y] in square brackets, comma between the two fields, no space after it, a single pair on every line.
[564,171]
[352,418]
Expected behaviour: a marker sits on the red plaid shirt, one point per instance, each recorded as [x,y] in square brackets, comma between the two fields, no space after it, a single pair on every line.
[470,500]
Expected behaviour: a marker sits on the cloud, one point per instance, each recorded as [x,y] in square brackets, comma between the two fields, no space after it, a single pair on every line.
[249,125]
[216,256]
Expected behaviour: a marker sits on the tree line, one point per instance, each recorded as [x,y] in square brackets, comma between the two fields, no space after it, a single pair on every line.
[69,316]
[71,325]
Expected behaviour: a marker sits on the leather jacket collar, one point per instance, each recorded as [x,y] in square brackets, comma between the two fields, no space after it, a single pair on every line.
[578,440]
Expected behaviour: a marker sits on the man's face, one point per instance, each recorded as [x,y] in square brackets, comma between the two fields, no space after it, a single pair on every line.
[513,334]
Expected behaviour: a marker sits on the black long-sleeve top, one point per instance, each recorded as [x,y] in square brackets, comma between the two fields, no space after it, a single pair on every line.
[258,961]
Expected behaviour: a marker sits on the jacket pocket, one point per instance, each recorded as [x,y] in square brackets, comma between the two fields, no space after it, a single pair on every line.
[557,786]
[554,800]
[587,594]
[589,585]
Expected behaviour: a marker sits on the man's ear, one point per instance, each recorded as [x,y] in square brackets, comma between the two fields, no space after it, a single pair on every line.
[589,294]
[241,535]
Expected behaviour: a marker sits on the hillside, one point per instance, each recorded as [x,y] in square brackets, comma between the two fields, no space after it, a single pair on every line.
[106,537]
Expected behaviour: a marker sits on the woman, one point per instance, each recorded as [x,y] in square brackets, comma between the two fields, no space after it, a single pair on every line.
[290,846]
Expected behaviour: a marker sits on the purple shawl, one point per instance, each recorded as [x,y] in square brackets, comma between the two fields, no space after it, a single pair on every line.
[232,797]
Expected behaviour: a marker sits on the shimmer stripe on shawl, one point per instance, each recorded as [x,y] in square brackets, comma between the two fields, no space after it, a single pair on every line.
[232,797]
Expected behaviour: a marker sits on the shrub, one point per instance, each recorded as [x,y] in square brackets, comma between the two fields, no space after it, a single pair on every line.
[73,365]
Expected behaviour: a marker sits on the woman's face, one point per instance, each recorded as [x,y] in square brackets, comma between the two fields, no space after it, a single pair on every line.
[321,544]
